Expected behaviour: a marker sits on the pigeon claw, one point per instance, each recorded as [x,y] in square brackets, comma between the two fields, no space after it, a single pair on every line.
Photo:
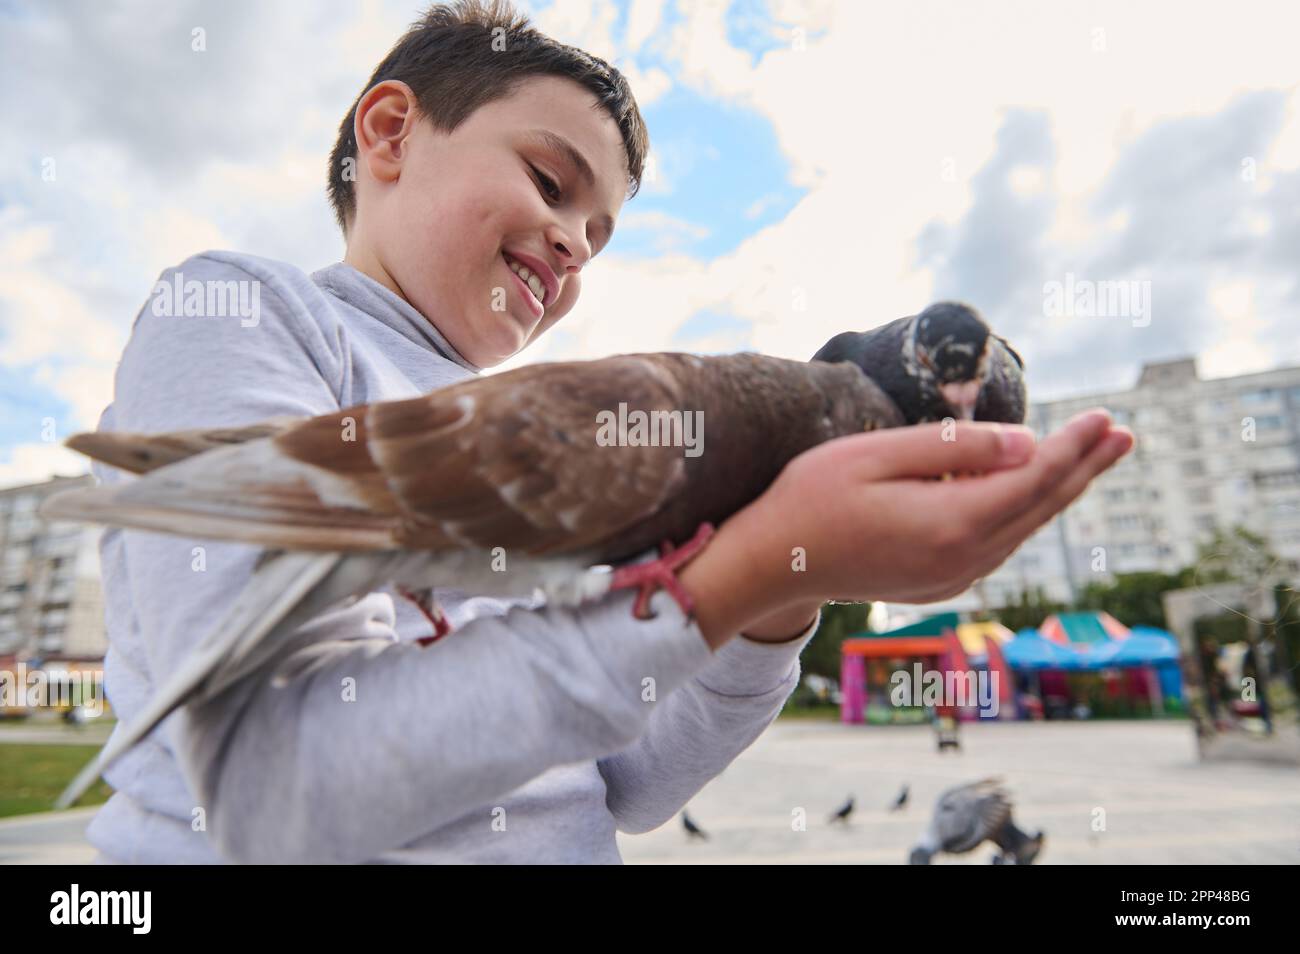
[658,574]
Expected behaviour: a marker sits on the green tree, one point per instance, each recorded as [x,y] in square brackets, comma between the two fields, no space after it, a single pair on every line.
[1135,598]
[1239,555]
[1285,628]
[1029,610]
[839,621]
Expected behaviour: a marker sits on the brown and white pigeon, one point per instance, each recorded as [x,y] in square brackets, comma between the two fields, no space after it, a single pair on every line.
[563,468]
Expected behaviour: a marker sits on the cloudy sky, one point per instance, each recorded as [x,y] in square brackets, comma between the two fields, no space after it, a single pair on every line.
[816,166]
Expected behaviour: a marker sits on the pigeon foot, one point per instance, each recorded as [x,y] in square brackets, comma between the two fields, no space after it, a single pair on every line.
[425,603]
[646,578]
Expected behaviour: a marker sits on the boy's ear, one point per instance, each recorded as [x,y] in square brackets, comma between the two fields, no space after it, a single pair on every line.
[386,115]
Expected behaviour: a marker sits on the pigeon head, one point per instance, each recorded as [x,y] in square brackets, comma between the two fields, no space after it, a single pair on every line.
[944,362]
[948,350]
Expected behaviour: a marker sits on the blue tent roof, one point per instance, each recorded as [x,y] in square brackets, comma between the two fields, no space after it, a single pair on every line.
[1030,651]
[1146,647]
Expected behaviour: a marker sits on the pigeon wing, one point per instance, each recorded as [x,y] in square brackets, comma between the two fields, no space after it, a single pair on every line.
[525,459]
[965,817]
[141,453]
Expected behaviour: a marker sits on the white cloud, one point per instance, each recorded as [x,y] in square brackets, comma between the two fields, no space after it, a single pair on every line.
[871,116]
[33,463]
[642,21]
[669,231]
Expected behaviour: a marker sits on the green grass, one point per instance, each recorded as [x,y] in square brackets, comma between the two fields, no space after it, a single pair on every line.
[817,713]
[32,776]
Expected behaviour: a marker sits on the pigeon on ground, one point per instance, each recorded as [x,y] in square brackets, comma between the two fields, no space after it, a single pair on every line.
[842,813]
[944,362]
[901,800]
[969,815]
[567,467]
[693,831]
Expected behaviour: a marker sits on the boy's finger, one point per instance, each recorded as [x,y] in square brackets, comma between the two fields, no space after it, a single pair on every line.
[993,500]
[1104,453]
[931,450]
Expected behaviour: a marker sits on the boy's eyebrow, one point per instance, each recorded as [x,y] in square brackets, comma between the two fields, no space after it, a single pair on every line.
[557,143]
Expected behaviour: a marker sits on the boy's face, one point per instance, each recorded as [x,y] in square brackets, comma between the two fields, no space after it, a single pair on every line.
[438,213]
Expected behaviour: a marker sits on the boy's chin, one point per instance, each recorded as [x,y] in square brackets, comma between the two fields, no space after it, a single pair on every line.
[509,337]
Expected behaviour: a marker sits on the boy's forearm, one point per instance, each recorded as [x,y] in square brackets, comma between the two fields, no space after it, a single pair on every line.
[739,586]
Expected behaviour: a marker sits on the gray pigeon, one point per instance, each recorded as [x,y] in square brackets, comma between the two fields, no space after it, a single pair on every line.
[693,831]
[967,816]
[842,813]
[944,362]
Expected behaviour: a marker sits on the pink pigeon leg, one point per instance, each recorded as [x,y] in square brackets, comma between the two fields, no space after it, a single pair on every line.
[432,612]
[646,578]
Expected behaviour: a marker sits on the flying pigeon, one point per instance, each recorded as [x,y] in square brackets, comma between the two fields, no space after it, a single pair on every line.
[967,816]
[693,831]
[842,813]
[944,362]
[568,466]
[901,800]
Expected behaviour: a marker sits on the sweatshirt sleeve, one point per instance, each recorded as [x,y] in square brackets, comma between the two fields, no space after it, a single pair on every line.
[416,735]
[697,731]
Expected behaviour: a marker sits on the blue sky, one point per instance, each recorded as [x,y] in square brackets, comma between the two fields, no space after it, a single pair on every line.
[817,166]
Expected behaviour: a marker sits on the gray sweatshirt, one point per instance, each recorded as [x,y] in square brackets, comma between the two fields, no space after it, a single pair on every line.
[529,734]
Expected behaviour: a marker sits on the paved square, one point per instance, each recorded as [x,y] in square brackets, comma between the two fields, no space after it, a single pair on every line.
[1162,805]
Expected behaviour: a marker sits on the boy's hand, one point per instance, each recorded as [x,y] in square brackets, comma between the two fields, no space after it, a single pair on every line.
[862,518]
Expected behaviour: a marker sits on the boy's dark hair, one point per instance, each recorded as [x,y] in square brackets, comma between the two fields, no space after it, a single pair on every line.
[463,55]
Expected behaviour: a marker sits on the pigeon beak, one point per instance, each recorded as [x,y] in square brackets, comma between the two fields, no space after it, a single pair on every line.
[962,397]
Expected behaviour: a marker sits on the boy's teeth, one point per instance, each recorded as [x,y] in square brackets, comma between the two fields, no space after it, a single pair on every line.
[532,281]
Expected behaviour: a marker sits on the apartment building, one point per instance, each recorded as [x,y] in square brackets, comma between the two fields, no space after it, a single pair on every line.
[1210,454]
[51,601]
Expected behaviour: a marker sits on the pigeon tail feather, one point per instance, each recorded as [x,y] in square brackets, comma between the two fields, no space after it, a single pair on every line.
[285,592]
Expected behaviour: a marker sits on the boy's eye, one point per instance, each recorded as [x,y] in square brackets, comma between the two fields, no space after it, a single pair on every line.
[548,185]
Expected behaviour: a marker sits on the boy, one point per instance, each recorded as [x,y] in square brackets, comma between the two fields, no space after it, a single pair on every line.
[479,148]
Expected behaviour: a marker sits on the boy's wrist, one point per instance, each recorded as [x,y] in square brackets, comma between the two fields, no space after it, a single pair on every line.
[783,625]
[736,586]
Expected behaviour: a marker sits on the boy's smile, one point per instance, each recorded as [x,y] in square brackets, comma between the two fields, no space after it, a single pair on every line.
[485,230]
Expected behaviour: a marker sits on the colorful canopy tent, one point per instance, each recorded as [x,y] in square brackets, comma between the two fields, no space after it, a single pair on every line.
[1149,655]
[942,643]
[924,640]
[1083,629]
[1154,647]
[975,637]
[1029,651]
